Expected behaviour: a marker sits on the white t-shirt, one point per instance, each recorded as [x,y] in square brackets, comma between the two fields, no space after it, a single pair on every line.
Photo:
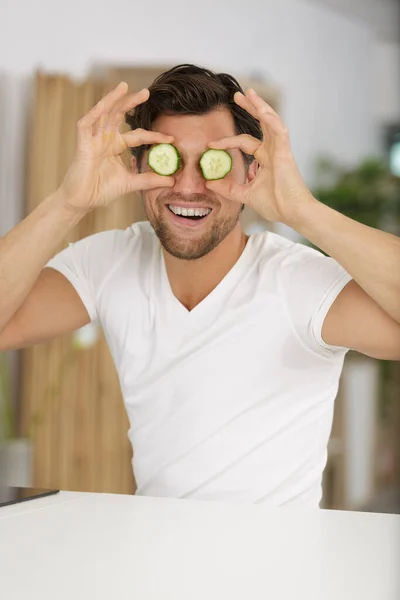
[230,401]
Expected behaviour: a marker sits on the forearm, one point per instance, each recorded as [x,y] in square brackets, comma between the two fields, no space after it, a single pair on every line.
[370,256]
[26,249]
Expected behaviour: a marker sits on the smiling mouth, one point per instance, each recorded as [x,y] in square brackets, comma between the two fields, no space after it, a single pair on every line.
[189,214]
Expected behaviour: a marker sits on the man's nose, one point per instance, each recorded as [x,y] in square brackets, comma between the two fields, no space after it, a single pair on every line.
[189,180]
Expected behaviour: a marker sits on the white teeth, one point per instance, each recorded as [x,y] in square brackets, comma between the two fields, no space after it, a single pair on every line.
[189,212]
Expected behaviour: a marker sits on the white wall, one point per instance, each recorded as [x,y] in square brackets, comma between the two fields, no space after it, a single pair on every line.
[360,383]
[387,88]
[321,60]
[14,100]
[381,15]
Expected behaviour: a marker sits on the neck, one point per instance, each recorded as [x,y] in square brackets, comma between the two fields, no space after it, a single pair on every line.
[193,280]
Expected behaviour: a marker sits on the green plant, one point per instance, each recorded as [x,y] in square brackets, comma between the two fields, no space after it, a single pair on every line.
[368,193]
[7,417]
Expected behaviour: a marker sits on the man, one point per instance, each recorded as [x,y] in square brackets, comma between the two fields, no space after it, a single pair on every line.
[228,347]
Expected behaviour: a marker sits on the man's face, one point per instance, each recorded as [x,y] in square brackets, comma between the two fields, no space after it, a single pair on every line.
[189,239]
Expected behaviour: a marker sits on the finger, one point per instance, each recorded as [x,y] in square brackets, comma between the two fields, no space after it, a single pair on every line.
[247,143]
[139,137]
[132,100]
[148,181]
[103,106]
[100,125]
[270,121]
[266,114]
[228,189]
[274,123]
[126,104]
[244,103]
[244,142]
[259,103]
[114,120]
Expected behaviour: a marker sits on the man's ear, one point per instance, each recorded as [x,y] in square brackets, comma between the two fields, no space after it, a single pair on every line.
[252,171]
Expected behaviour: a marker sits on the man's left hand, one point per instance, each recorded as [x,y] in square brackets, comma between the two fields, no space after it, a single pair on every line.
[278,192]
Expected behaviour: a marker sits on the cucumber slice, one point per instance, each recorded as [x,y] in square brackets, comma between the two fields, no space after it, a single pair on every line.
[164,159]
[215,164]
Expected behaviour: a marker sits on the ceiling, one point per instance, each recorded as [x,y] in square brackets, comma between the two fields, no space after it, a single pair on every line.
[382,15]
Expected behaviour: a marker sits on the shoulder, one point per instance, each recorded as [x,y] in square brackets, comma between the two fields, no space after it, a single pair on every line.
[97,256]
[115,243]
[121,253]
[283,252]
[297,269]
[104,251]
[308,283]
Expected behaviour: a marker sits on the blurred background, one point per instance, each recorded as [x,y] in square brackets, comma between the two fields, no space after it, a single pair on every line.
[331,68]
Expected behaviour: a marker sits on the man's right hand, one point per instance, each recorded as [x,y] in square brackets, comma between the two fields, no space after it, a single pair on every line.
[97,175]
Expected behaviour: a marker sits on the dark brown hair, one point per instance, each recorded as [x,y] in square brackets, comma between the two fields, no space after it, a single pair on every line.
[191,90]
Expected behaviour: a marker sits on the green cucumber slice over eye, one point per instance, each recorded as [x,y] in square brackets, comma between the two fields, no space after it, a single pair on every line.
[164,159]
[215,164]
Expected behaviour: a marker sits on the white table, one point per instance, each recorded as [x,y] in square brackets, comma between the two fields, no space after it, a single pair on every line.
[110,547]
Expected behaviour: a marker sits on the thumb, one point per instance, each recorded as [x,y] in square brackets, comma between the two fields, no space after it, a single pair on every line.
[228,189]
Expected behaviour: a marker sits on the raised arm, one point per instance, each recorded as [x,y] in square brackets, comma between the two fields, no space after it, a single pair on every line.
[37,303]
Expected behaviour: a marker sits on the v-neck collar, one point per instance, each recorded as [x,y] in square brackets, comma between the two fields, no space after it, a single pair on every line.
[213,298]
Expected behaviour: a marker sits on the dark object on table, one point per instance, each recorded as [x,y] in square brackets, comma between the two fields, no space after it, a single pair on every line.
[13,495]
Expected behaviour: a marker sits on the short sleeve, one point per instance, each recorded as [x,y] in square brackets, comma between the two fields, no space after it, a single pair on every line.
[310,283]
[87,263]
